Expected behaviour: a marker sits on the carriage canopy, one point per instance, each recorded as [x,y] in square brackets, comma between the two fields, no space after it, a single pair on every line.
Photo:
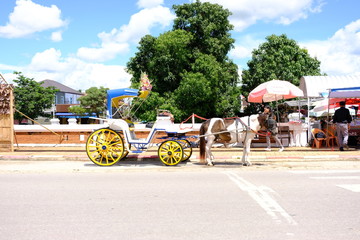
[115,97]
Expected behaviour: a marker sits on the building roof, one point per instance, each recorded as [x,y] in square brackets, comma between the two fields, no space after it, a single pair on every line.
[59,86]
[319,86]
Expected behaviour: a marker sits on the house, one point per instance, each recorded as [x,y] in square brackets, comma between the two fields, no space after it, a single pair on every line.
[65,98]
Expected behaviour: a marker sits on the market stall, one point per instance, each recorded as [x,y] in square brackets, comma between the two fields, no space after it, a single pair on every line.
[317,88]
[350,94]
[276,90]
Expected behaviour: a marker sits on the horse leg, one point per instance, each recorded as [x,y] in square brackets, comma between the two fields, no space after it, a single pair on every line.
[246,151]
[209,156]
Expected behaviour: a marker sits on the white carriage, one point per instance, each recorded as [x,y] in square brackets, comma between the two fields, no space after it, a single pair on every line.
[107,146]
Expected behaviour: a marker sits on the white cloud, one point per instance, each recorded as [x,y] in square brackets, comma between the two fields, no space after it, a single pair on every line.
[244,47]
[9,77]
[340,54]
[56,36]
[28,18]
[72,72]
[107,51]
[118,40]
[247,12]
[149,3]
[48,60]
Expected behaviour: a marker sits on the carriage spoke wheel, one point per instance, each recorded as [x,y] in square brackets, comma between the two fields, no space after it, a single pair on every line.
[170,152]
[105,147]
[126,152]
[186,145]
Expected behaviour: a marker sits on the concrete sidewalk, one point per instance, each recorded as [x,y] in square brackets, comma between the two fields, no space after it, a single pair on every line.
[74,159]
[78,153]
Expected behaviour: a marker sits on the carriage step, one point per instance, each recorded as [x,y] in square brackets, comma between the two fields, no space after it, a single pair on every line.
[137,151]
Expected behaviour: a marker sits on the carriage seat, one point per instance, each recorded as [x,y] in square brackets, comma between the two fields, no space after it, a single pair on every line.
[119,124]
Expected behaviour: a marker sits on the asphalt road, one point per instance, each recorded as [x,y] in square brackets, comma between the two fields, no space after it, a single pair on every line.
[195,203]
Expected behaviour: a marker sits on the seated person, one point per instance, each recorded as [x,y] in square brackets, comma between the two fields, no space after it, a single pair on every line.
[167,113]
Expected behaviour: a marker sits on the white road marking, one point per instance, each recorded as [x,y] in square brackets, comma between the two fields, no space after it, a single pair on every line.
[351,187]
[338,177]
[262,197]
[324,171]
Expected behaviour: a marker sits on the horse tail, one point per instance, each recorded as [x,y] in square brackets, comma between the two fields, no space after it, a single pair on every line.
[202,144]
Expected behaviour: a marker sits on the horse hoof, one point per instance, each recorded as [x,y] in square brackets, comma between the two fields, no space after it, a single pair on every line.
[246,164]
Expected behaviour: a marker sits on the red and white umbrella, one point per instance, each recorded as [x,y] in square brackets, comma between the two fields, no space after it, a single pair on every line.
[326,103]
[274,90]
[328,106]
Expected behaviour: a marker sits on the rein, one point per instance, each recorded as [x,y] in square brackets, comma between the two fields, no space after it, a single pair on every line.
[246,127]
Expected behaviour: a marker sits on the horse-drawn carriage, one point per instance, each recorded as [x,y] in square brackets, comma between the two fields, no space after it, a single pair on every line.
[108,145]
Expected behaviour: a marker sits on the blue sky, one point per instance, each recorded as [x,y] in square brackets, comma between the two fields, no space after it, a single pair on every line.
[86,43]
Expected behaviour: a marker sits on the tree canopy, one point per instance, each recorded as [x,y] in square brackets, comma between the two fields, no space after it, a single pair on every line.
[94,101]
[278,58]
[31,98]
[188,66]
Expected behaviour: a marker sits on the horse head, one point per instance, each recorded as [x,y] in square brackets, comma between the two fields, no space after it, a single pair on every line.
[262,121]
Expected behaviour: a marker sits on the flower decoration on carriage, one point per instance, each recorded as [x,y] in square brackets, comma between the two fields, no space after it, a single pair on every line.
[145,86]
[145,83]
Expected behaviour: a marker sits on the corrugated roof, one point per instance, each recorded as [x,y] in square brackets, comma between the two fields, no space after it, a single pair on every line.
[314,86]
[59,86]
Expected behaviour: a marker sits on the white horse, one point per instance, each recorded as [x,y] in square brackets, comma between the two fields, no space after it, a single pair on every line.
[229,131]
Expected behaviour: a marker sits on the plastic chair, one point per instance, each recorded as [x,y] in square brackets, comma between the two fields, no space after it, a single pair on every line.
[318,141]
[331,136]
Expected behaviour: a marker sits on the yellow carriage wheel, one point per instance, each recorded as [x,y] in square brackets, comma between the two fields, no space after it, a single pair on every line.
[105,147]
[186,145]
[126,152]
[170,152]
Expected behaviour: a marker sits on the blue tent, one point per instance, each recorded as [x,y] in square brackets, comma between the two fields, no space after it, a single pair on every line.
[351,92]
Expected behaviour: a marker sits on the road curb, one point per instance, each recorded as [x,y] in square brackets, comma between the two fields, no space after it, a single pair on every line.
[193,158]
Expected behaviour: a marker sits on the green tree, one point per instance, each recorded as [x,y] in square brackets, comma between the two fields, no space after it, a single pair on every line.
[94,100]
[31,98]
[163,59]
[188,66]
[78,110]
[278,58]
[209,26]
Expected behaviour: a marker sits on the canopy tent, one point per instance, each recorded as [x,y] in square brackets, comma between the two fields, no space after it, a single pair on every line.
[329,112]
[351,92]
[296,103]
[318,86]
[328,105]
[115,96]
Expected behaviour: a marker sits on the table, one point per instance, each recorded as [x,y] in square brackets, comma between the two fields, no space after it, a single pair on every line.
[298,132]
